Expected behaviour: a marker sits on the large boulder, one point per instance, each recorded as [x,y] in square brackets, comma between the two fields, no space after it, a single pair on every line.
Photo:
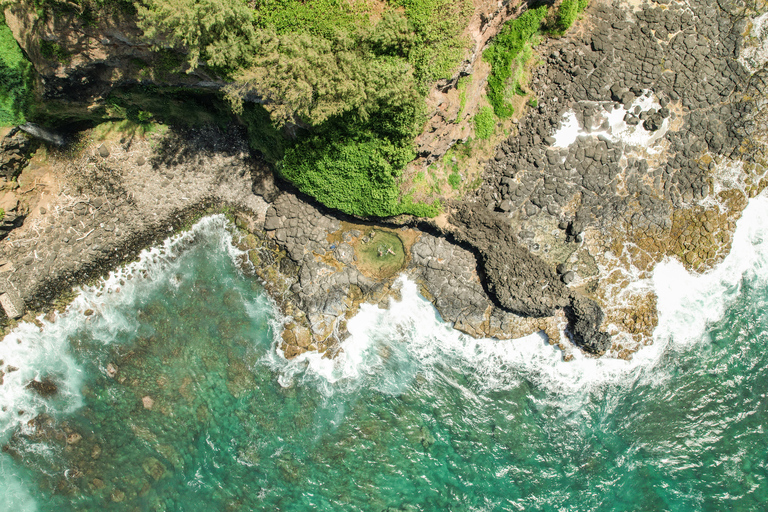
[15,150]
[584,319]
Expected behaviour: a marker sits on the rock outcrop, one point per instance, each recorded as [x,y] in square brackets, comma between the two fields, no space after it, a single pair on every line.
[517,279]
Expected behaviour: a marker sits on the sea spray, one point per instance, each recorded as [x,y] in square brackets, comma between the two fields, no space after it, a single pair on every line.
[32,352]
[411,414]
[388,348]
[14,495]
[688,303]
[611,124]
[78,350]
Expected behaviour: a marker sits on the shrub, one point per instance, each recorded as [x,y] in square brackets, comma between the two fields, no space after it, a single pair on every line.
[357,176]
[485,122]
[510,41]
[16,80]
[567,13]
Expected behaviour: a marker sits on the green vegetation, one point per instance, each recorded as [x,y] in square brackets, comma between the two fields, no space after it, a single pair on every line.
[348,83]
[567,13]
[485,122]
[2,214]
[16,80]
[54,51]
[511,41]
[437,46]
[331,91]
[454,180]
[180,107]
[518,69]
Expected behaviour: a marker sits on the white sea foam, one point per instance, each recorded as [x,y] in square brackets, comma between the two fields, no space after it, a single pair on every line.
[14,496]
[612,125]
[388,348]
[687,302]
[754,52]
[38,352]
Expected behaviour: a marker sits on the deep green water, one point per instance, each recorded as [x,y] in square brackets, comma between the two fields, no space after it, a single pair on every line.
[415,417]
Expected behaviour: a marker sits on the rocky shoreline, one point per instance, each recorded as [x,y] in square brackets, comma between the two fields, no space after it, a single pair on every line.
[119,197]
[561,227]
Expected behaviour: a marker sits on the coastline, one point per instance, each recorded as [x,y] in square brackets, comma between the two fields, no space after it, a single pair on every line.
[321,291]
[605,208]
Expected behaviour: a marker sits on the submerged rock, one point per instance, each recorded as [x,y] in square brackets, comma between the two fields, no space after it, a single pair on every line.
[46,388]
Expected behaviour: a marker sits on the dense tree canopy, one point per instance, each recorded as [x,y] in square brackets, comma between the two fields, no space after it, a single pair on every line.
[221,32]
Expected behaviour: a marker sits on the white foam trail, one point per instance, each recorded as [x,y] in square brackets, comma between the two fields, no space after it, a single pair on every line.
[612,125]
[38,352]
[14,496]
[687,302]
[389,348]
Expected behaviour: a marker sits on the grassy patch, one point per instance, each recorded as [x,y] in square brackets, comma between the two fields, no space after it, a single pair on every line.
[16,80]
[513,39]
[567,13]
[454,180]
[110,129]
[485,123]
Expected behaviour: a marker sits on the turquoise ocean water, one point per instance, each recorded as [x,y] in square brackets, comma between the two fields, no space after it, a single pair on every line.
[172,397]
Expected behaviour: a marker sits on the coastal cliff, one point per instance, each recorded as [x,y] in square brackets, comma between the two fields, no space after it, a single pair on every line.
[622,161]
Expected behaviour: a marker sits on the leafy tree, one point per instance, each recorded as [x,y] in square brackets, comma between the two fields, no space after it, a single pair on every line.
[393,35]
[16,79]
[220,32]
[315,79]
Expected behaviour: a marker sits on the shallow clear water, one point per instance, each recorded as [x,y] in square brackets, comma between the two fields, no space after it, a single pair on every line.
[172,398]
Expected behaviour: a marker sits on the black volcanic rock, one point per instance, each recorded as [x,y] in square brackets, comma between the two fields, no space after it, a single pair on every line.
[584,319]
[518,280]
[46,388]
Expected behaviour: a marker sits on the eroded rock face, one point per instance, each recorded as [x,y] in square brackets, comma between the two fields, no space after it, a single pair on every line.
[520,281]
[94,55]
[584,319]
[15,150]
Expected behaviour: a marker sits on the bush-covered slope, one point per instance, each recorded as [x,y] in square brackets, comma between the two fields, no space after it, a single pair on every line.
[16,79]
[332,91]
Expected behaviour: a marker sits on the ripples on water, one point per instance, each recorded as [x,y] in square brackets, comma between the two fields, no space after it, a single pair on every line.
[202,414]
